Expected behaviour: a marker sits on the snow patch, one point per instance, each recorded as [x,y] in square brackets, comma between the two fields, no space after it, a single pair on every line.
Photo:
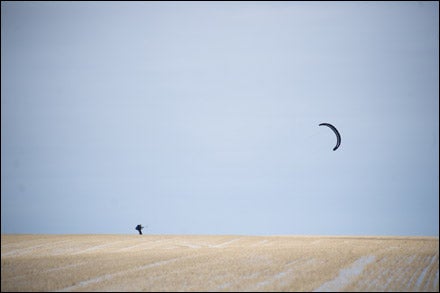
[422,275]
[110,276]
[346,275]
[224,243]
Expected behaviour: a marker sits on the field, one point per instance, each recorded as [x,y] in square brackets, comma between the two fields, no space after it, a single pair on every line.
[218,263]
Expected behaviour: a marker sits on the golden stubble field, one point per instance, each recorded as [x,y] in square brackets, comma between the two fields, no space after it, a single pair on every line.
[218,263]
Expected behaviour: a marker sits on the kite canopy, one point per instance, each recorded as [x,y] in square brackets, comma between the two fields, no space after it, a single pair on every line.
[338,136]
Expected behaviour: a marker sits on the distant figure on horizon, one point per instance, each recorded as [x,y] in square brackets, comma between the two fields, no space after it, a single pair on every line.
[139,228]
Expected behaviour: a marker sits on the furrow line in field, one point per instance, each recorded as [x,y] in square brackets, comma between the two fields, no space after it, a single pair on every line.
[128,248]
[31,249]
[434,276]
[223,244]
[394,276]
[260,243]
[289,269]
[404,278]
[411,274]
[274,278]
[346,275]
[365,282]
[422,276]
[385,274]
[147,244]
[24,276]
[436,279]
[378,276]
[96,247]
[110,276]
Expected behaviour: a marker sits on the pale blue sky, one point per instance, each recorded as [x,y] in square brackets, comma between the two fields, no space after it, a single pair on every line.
[202,118]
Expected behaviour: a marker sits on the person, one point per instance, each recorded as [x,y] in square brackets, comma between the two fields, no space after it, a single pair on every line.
[139,228]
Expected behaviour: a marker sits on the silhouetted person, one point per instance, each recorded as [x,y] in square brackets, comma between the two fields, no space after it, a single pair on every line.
[139,228]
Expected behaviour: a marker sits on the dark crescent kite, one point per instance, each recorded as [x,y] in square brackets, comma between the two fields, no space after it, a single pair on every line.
[338,136]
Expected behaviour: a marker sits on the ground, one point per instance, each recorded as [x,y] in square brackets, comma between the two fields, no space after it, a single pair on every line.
[218,263]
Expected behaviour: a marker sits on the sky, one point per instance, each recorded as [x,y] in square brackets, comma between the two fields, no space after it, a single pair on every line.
[203,118]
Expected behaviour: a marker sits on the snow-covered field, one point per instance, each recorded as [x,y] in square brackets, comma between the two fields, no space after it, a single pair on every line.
[218,263]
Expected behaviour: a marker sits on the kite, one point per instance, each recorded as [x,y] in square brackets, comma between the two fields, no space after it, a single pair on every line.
[338,136]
